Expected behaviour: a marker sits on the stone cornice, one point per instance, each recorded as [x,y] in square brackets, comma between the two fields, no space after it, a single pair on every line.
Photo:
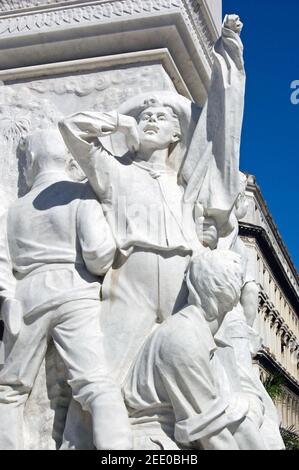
[214,23]
[63,14]
[268,310]
[60,14]
[201,21]
[12,5]
[59,68]
[68,31]
[255,190]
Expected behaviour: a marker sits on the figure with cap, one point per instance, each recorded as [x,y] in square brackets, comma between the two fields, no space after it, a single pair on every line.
[173,161]
[56,245]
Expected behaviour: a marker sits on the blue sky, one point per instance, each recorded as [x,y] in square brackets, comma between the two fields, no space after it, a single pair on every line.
[270,142]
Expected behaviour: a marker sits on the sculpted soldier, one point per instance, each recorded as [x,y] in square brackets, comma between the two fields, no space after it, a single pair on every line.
[58,243]
[143,203]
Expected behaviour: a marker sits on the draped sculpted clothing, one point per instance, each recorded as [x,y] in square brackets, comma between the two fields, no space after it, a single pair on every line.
[150,209]
[144,208]
[58,243]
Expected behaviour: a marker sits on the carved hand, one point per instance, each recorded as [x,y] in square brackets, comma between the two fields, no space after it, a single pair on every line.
[207,232]
[233,23]
[128,126]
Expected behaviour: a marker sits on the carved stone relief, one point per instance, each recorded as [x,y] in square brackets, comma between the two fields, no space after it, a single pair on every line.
[173,325]
[38,103]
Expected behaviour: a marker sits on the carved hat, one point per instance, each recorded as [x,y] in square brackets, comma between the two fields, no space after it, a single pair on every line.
[185,109]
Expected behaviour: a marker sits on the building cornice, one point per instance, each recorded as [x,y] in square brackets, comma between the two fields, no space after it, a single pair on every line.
[276,320]
[273,260]
[253,187]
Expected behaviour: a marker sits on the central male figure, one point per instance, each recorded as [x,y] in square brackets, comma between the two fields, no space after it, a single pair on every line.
[143,202]
[149,193]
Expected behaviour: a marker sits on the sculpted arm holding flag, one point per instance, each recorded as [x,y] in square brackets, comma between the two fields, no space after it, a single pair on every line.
[211,168]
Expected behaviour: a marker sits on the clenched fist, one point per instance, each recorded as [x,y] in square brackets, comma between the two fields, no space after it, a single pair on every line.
[233,23]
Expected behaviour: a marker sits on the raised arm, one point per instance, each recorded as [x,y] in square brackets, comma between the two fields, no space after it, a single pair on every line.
[82,133]
[211,170]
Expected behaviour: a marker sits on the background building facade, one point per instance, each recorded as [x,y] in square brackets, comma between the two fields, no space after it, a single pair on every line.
[278,316]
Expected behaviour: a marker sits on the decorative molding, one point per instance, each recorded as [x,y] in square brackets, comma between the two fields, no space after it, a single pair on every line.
[83,13]
[162,56]
[268,311]
[52,92]
[49,16]
[11,5]
[198,18]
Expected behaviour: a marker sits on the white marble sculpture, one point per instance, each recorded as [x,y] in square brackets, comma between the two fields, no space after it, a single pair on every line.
[177,300]
[148,191]
[58,244]
[178,388]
